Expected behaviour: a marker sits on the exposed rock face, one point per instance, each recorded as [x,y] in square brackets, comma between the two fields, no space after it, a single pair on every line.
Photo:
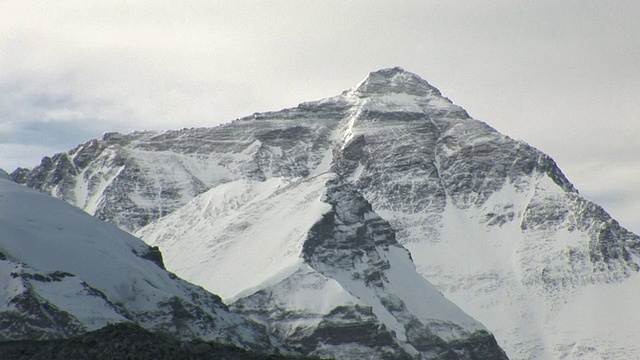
[490,221]
[153,254]
[345,331]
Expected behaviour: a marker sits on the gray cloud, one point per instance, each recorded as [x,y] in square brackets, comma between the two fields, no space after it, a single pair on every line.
[562,76]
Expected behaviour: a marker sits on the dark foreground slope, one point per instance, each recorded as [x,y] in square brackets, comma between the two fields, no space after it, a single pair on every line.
[129,341]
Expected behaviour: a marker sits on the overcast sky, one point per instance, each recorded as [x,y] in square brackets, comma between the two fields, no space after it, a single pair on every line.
[562,75]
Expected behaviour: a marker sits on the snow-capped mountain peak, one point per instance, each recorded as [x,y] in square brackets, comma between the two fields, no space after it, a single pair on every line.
[397,90]
[490,221]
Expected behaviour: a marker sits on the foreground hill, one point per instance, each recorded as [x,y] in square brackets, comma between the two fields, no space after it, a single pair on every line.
[64,273]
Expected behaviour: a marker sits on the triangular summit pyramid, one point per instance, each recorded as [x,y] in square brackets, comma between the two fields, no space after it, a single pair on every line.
[395,81]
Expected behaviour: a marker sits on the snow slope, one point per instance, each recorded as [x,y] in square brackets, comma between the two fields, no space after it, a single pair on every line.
[241,235]
[64,272]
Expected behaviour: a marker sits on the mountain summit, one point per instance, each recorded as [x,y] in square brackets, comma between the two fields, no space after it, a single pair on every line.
[395,81]
[313,208]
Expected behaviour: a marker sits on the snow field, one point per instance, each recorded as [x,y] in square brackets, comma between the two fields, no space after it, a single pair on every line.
[250,235]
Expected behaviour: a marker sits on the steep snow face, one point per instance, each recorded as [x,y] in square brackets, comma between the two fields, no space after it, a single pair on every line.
[64,272]
[312,260]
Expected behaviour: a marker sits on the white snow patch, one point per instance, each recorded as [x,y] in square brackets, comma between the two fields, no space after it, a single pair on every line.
[287,270]
[90,200]
[355,176]
[604,323]
[415,291]
[310,291]
[325,164]
[420,297]
[478,266]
